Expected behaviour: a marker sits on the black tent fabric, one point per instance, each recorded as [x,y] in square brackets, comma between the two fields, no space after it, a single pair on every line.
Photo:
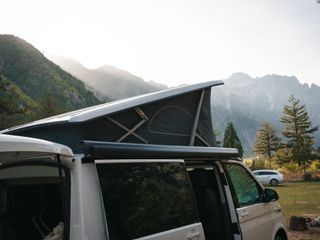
[180,119]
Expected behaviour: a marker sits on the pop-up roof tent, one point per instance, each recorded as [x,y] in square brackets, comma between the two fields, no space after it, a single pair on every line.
[177,116]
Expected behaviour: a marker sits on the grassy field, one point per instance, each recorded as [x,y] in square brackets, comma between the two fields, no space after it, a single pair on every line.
[300,199]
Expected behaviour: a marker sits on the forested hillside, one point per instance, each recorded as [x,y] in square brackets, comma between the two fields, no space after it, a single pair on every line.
[30,83]
[15,106]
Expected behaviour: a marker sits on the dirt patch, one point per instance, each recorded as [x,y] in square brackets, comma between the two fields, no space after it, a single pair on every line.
[313,233]
[310,234]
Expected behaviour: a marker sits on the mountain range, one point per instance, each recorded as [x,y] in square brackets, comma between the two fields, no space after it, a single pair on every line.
[33,87]
[248,102]
[108,82]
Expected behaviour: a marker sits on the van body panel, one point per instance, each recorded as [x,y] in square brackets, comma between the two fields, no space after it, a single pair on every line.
[257,219]
[86,203]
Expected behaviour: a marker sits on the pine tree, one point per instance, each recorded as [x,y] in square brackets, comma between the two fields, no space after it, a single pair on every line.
[283,156]
[298,130]
[267,141]
[231,139]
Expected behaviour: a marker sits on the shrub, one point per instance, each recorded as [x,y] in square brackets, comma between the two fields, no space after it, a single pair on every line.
[259,163]
[307,177]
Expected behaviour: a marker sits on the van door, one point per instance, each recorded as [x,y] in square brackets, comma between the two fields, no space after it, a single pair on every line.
[255,217]
[148,200]
[217,213]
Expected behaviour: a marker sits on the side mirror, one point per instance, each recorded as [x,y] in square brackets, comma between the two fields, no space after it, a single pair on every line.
[270,195]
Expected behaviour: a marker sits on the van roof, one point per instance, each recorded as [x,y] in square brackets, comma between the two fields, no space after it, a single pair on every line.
[15,148]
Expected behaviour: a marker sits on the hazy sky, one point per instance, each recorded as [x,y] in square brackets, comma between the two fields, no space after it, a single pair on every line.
[175,41]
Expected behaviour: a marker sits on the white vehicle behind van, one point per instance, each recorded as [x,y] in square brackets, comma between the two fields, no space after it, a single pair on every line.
[267,176]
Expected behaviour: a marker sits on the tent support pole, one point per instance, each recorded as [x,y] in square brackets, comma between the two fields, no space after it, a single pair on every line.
[202,140]
[196,120]
[132,131]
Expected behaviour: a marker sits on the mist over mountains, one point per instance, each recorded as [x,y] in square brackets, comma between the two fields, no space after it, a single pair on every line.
[248,102]
[33,87]
[108,82]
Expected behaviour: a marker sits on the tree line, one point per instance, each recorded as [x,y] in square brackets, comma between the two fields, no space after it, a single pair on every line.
[18,108]
[293,145]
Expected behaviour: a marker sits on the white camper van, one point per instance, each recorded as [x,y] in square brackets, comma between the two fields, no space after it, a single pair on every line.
[142,168]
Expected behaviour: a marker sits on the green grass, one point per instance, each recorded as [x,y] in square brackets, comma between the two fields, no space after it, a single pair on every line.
[300,199]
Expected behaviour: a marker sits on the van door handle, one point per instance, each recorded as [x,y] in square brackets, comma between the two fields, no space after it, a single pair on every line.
[278,210]
[193,235]
[244,214]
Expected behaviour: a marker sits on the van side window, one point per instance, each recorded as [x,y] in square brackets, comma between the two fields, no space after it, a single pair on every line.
[146,198]
[31,206]
[245,187]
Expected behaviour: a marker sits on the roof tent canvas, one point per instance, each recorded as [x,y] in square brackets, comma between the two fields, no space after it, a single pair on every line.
[178,116]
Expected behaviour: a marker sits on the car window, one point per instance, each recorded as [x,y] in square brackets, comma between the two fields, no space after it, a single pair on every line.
[268,173]
[145,198]
[244,186]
